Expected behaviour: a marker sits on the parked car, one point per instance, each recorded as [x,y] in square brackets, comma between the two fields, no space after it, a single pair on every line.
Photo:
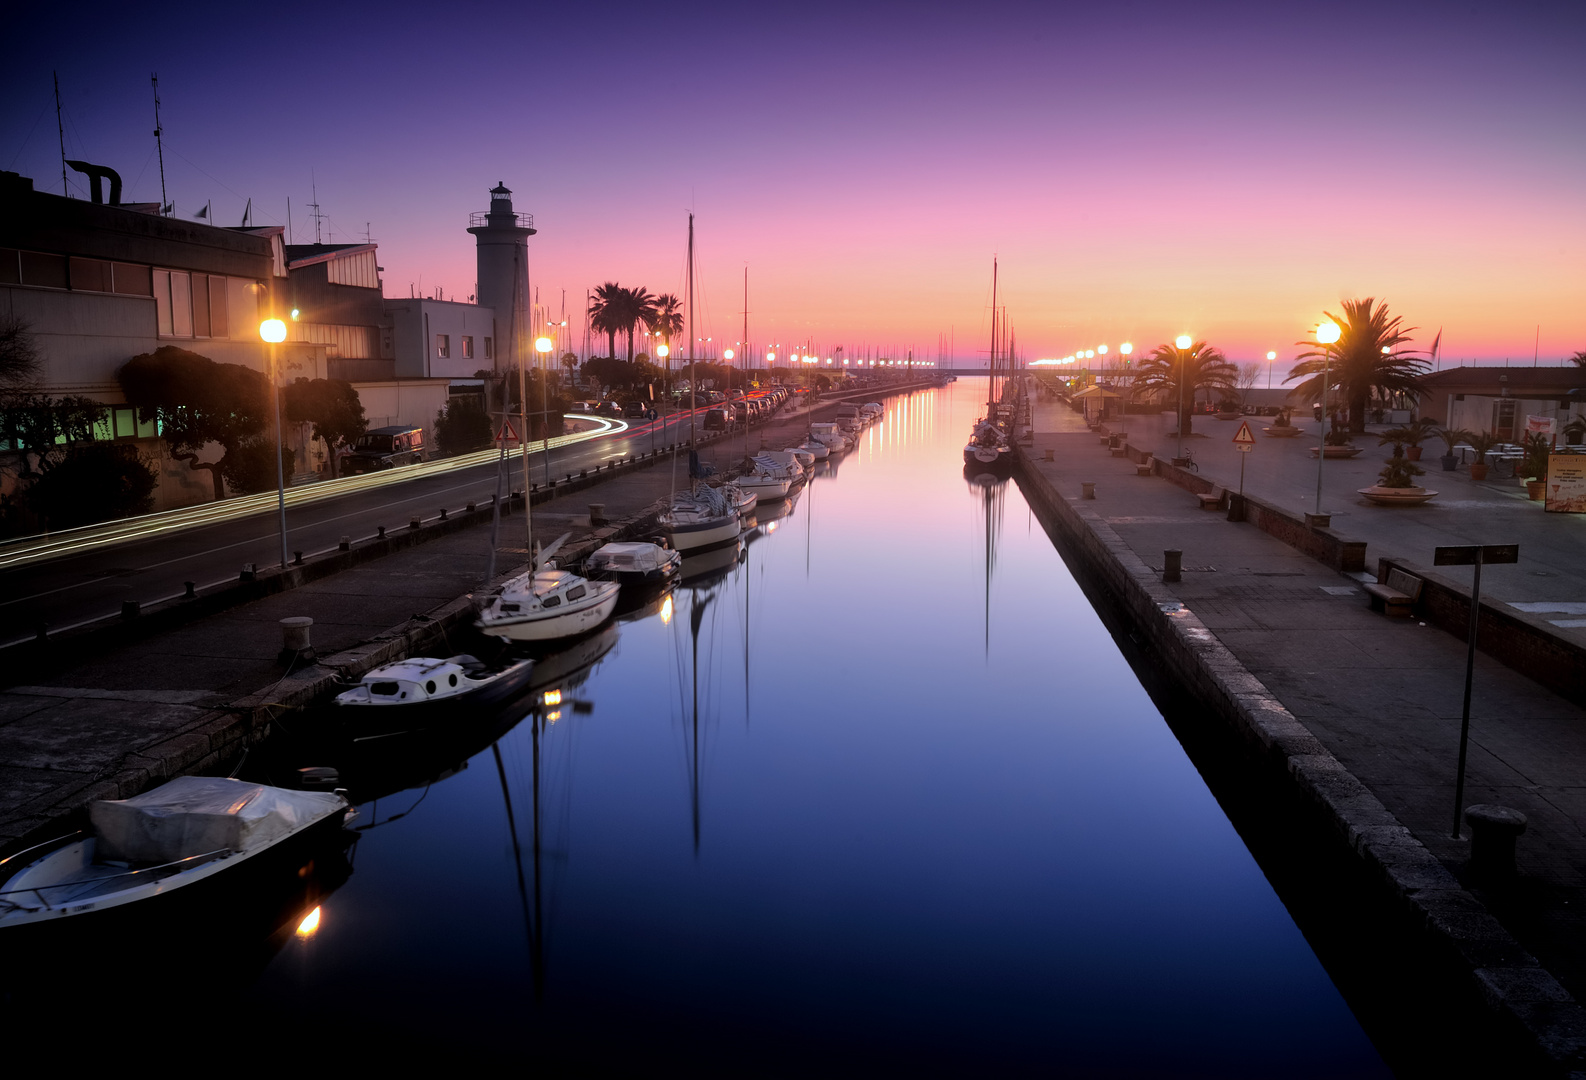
[609,408]
[716,420]
[635,410]
[384,448]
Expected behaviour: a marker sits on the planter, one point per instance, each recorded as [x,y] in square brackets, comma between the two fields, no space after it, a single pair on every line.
[1449,461]
[1413,453]
[1288,432]
[1332,452]
[1478,470]
[1405,496]
[1536,489]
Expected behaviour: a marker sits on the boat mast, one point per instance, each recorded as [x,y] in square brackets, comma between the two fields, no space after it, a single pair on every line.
[991,380]
[520,288]
[743,351]
[689,289]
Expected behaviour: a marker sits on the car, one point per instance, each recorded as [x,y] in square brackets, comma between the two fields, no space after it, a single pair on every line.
[716,420]
[384,448]
[609,408]
[635,410]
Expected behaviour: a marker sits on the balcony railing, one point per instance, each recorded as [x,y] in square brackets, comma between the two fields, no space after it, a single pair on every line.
[480,219]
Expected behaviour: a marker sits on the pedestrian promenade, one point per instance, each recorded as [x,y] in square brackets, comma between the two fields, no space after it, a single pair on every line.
[1383,695]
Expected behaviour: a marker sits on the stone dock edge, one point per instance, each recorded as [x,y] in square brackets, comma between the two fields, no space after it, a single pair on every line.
[1510,983]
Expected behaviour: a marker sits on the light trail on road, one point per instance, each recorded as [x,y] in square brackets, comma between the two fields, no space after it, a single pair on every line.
[89,537]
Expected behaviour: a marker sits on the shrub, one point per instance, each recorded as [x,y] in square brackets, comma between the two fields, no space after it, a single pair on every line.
[249,467]
[95,482]
[462,426]
[1400,471]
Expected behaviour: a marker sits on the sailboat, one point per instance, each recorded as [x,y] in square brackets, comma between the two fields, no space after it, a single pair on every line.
[989,447]
[542,604]
[702,516]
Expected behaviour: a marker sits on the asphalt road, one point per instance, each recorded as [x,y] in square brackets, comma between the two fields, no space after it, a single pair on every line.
[72,589]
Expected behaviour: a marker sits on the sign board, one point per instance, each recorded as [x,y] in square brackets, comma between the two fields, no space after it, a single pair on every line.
[1244,438]
[1540,425]
[1566,484]
[1466,555]
[508,433]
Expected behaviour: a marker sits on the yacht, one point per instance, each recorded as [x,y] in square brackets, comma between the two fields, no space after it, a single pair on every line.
[547,605]
[699,519]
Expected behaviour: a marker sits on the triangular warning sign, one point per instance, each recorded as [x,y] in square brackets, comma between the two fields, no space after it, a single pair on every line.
[508,433]
[1244,436]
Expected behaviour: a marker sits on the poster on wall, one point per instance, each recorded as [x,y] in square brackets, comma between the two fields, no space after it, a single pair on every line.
[1540,425]
[1566,484]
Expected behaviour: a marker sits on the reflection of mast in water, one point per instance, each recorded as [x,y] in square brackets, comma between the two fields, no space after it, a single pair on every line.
[696,615]
[533,918]
[991,491]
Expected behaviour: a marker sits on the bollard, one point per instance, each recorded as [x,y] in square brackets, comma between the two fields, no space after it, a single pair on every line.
[297,558]
[443,513]
[41,632]
[295,645]
[597,514]
[1087,489]
[470,507]
[380,532]
[249,571]
[129,609]
[1172,564]
[1048,455]
[1493,830]
[345,544]
[414,522]
[192,590]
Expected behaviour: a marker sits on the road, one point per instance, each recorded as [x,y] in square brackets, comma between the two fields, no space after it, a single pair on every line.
[153,562]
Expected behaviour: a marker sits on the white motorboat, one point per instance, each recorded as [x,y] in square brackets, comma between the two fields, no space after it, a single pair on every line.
[772,475]
[405,693]
[831,436]
[742,499]
[873,409]
[633,564]
[699,519]
[809,448]
[153,844]
[546,605]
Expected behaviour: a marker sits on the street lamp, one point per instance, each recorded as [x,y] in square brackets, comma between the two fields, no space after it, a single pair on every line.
[542,345]
[274,331]
[1271,356]
[1326,333]
[1182,342]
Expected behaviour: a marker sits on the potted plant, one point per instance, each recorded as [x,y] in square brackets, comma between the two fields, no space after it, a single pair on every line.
[1452,437]
[1336,444]
[1395,484]
[1282,427]
[1411,435]
[1534,467]
[1481,442]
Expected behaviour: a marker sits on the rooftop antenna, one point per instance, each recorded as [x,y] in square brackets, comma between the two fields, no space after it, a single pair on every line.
[159,145]
[61,131]
[313,188]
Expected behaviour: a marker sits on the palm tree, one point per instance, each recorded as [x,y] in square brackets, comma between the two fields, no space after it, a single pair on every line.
[638,306]
[606,313]
[1579,359]
[1199,367]
[666,319]
[1365,358]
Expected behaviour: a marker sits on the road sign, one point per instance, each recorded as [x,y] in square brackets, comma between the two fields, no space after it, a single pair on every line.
[1244,438]
[1466,555]
[508,433]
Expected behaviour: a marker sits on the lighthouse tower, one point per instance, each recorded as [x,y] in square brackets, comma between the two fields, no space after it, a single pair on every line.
[502,239]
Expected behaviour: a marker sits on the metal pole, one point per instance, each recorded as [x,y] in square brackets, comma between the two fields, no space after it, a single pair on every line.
[1321,447]
[1470,669]
[280,469]
[1181,367]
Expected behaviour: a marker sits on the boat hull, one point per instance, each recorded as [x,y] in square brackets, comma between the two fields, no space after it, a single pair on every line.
[697,536]
[565,623]
[997,460]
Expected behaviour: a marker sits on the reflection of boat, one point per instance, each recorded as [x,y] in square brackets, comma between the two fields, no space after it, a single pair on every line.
[991,491]
[419,690]
[547,605]
[707,568]
[178,835]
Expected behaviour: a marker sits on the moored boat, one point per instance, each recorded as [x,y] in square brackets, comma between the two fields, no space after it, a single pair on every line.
[546,605]
[633,564]
[699,519]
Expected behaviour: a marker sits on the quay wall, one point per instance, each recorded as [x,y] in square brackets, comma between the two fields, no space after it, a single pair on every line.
[1496,971]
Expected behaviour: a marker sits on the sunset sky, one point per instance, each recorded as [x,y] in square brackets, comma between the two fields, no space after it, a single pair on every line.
[1140,170]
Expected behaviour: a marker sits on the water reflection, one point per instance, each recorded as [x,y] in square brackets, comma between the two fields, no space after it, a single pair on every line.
[990,493]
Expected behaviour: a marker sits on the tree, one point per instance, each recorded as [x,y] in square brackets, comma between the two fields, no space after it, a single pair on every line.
[94,482]
[1199,367]
[606,313]
[19,353]
[197,402]
[666,319]
[1249,375]
[332,406]
[638,306]
[462,426]
[570,362]
[1365,359]
[40,426]
[1579,359]
[249,467]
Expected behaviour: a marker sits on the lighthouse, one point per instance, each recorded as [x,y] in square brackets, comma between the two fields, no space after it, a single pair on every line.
[502,239]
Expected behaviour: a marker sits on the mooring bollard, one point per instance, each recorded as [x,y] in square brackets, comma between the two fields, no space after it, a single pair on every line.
[414,522]
[345,544]
[380,532]
[297,558]
[597,514]
[1087,489]
[249,571]
[471,507]
[129,609]
[295,643]
[1493,831]
[443,513]
[1172,565]
[191,588]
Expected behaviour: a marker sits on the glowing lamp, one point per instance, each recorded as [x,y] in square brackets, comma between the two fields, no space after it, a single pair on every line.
[726,354]
[542,345]
[1126,348]
[1272,356]
[662,351]
[273,331]
[1327,333]
[1101,350]
[1183,341]
[770,357]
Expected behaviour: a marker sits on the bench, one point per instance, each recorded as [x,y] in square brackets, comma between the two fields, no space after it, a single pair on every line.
[1397,595]
[1144,468]
[1213,499]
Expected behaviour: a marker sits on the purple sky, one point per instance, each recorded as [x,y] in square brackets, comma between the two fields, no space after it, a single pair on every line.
[1141,170]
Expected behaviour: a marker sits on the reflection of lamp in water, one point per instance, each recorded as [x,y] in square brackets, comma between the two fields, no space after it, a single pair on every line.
[666,610]
[553,697]
[1326,333]
[309,924]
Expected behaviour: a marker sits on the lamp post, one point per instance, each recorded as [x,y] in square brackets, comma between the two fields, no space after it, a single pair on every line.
[1326,333]
[1181,343]
[664,351]
[542,345]
[1271,356]
[274,331]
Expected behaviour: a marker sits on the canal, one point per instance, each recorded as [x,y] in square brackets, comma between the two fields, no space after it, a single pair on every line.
[876,792]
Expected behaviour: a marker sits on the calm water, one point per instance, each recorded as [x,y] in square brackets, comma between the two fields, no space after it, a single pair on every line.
[850,803]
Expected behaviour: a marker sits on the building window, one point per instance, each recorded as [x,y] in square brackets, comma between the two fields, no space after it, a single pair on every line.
[90,275]
[132,279]
[443,346]
[46,271]
[468,347]
[490,350]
